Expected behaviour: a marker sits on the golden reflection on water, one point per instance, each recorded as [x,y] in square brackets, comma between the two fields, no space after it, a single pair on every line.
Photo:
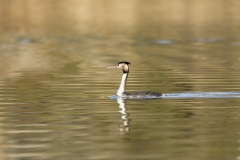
[54,82]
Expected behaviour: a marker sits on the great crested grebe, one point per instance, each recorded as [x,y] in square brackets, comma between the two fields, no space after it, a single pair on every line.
[121,91]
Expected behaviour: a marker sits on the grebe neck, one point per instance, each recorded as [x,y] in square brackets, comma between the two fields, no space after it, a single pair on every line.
[122,86]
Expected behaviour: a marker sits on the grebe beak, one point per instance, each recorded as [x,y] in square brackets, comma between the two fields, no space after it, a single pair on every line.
[113,66]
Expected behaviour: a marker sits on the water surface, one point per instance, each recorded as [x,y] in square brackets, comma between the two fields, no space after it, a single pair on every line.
[54,84]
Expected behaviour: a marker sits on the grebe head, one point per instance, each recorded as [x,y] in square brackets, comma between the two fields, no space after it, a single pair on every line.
[122,65]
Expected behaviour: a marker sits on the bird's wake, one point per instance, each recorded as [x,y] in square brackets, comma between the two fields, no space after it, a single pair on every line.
[188,95]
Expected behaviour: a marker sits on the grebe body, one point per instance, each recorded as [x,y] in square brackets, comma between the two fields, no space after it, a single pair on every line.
[121,91]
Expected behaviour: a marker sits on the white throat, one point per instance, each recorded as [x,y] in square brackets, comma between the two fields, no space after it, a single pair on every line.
[122,85]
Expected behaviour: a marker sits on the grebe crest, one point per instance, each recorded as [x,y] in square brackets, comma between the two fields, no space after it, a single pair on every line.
[124,65]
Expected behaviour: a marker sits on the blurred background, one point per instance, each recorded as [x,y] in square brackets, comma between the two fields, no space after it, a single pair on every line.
[111,23]
[54,82]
